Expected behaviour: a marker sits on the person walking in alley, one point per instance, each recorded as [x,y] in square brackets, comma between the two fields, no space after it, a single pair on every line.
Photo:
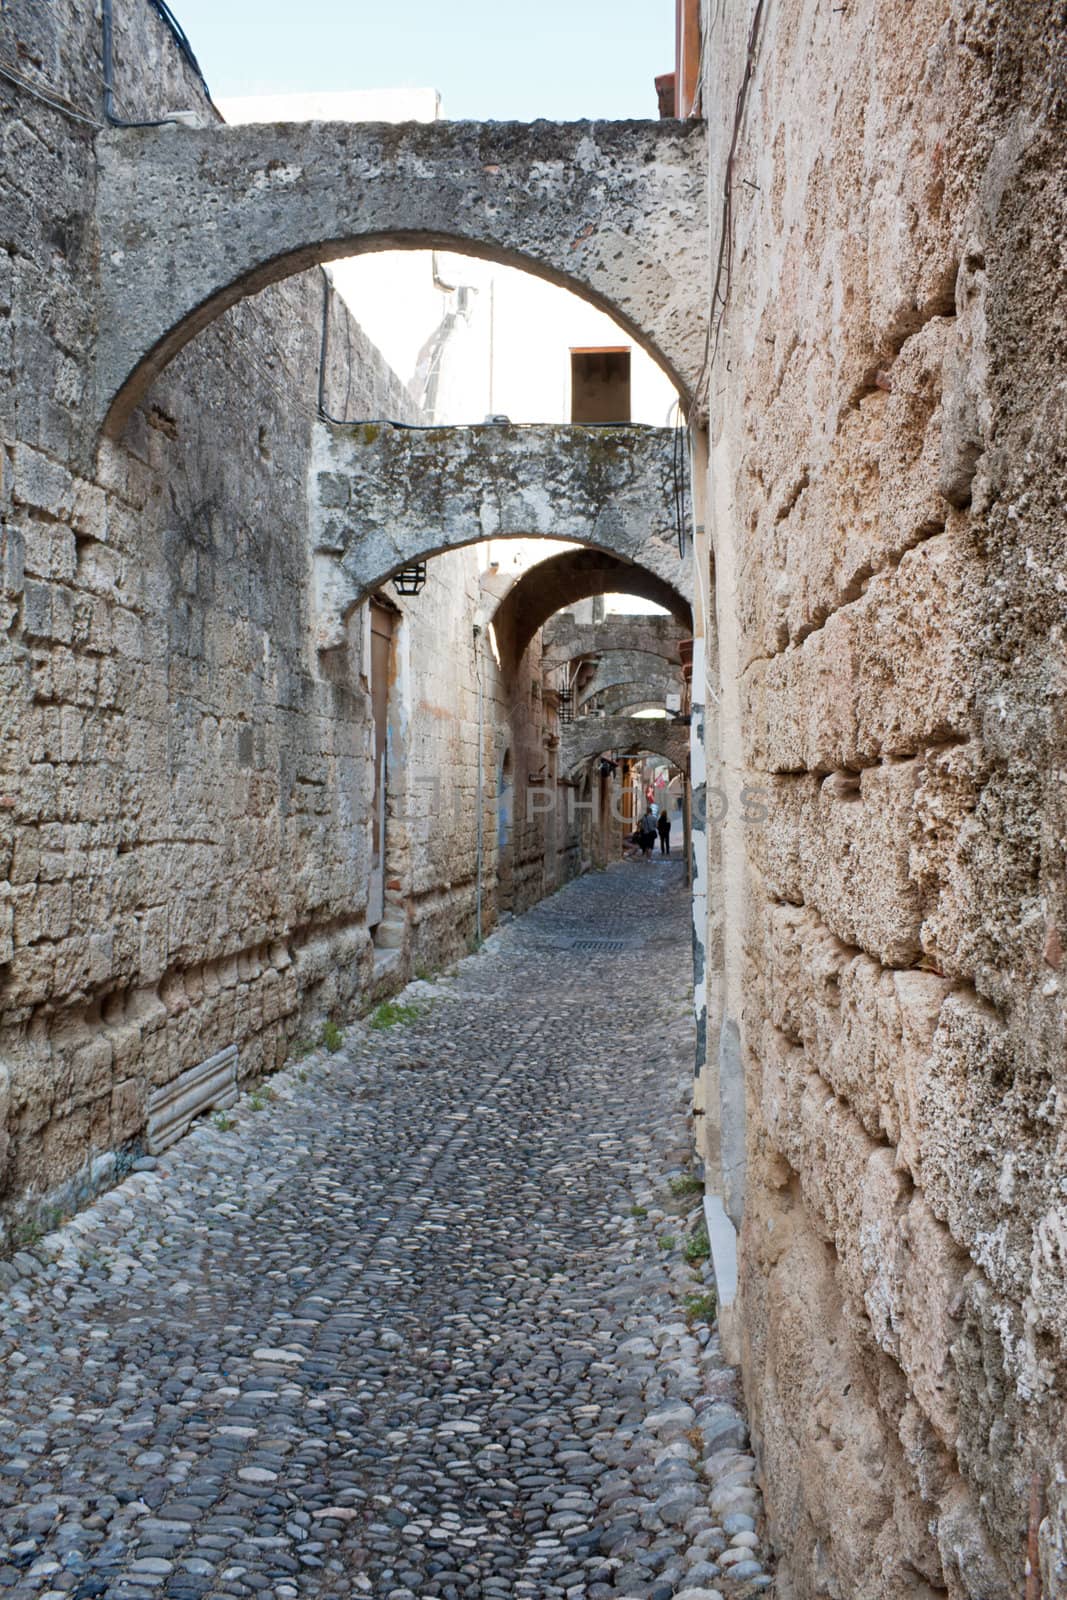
[647,834]
[664,827]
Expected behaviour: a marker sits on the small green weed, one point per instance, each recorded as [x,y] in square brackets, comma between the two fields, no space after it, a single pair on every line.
[331,1035]
[223,1121]
[685,1185]
[302,1075]
[701,1307]
[301,1049]
[666,1241]
[697,1247]
[257,1101]
[639,1212]
[392,1012]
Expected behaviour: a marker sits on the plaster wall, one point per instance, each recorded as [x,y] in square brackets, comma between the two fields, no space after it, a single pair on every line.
[885,490]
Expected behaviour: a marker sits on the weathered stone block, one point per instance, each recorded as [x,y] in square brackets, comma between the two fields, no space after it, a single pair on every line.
[12,559]
[90,1070]
[40,483]
[7,925]
[841,846]
[862,1023]
[127,1110]
[886,675]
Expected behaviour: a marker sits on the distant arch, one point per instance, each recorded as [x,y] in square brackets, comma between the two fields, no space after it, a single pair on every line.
[565,639]
[575,575]
[588,737]
[632,669]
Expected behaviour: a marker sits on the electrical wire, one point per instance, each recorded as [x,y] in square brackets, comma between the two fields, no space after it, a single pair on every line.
[181,37]
[167,16]
[324,350]
[47,97]
[723,268]
[392,422]
[679,458]
[720,293]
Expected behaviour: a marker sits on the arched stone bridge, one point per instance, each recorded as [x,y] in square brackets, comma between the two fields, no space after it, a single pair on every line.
[190,220]
[383,497]
[627,699]
[568,578]
[579,741]
[567,640]
[649,676]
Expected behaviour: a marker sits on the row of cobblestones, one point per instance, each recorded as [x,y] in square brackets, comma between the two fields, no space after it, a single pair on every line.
[414,1327]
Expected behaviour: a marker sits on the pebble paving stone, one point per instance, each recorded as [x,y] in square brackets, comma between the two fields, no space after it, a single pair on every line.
[417,1327]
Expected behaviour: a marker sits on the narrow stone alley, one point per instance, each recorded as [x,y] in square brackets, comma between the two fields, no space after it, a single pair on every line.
[416,1318]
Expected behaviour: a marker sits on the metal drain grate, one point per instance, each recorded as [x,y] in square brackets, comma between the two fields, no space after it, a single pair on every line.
[611,946]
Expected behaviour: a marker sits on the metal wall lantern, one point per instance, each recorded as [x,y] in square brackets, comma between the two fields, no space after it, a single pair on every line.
[566,705]
[410,579]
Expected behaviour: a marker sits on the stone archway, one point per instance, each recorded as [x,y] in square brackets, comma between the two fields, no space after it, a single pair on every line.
[628,698]
[191,220]
[591,736]
[565,639]
[576,575]
[644,676]
[385,497]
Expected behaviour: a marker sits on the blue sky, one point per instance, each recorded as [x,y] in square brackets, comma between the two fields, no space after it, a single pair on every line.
[489,58]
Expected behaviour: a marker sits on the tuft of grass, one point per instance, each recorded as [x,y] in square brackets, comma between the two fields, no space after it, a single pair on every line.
[639,1212]
[685,1185]
[697,1247]
[331,1035]
[393,1012]
[701,1307]
[257,1101]
[29,1232]
[666,1241]
[223,1121]
[303,1075]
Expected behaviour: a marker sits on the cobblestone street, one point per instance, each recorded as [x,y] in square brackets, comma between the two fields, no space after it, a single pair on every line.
[412,1320]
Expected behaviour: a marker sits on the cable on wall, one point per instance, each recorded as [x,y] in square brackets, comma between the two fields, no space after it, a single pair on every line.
[47,97]
[324,351]
[720,293]
[679,462]
[167,16]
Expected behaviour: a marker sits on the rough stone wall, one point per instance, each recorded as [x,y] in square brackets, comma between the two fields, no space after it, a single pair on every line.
[433,801]
[185,780]
[887,485]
